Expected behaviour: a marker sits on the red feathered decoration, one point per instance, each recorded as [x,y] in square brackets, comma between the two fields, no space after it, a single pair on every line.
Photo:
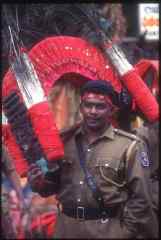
[43,123]
[55,56]
[138,90]
[143,66]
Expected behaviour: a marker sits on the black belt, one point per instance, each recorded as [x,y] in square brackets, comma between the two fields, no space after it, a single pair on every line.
[83,213]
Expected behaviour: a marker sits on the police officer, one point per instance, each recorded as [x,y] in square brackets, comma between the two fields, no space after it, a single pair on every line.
[101,184]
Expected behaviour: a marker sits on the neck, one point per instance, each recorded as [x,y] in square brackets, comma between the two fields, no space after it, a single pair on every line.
[92,134]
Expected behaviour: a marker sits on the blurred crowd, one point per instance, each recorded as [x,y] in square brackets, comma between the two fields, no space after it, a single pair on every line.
[140,49]
[30,219]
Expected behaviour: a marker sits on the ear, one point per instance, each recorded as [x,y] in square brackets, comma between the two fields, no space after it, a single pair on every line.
[114,110]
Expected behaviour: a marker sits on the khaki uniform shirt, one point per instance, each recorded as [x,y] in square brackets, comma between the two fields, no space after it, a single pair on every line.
[121,180]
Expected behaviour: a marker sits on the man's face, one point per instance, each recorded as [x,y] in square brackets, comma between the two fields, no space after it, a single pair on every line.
[96,113]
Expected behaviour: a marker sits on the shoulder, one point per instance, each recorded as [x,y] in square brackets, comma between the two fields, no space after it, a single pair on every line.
[136,148]
[68,133]
[134,143]
[127,142]
[126,135]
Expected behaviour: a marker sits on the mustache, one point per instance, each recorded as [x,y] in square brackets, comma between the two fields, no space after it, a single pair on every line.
[93,118]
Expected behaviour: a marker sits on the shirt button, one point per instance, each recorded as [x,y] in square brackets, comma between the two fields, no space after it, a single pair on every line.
[25,147]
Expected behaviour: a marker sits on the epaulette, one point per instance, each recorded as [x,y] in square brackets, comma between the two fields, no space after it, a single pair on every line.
[126,134]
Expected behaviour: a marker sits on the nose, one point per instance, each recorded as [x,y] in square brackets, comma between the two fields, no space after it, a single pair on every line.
[93,109]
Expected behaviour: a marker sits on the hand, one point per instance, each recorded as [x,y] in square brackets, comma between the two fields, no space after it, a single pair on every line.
[36,177]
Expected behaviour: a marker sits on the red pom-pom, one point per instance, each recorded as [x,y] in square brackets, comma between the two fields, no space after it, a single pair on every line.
[44,125]
[142,95]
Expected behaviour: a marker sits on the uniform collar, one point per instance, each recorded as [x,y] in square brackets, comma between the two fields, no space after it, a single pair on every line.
[109,132]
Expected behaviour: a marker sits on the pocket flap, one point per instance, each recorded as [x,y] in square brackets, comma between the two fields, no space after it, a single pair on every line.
[108,162]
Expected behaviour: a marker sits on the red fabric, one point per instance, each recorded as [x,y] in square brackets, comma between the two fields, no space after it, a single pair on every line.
[43,219]
[20,163]
[143,66]
[46,221]
[43,123]
[9,84]
[98,96]
[144,99]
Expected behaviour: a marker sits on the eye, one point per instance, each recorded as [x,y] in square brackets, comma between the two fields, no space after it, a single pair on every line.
[88,105]
[100,106]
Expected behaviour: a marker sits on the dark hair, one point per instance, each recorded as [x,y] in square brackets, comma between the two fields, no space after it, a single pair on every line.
[97,86]
[122,99]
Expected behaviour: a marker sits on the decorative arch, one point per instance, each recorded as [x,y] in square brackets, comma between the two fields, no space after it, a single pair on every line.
[55,56]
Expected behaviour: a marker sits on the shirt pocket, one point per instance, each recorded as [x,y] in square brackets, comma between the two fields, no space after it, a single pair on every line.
[110,170]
